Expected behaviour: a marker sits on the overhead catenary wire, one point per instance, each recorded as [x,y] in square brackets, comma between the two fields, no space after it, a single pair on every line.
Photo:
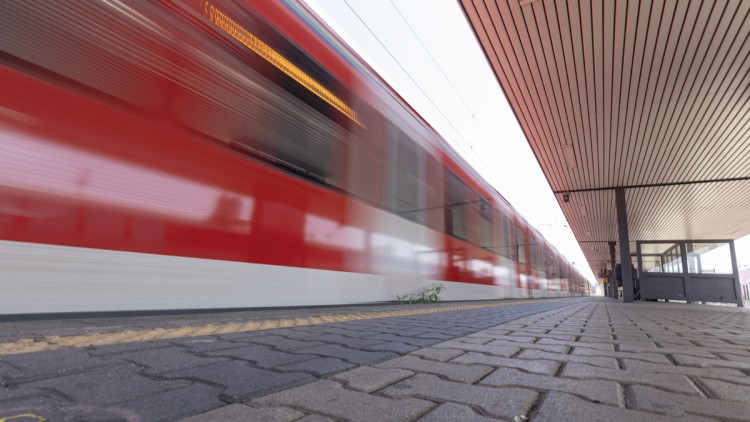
[419,87]
[445,76]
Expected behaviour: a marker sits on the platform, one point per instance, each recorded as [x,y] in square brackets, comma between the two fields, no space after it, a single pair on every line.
[570,359]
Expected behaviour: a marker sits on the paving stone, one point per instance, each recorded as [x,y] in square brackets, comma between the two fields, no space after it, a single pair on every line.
[566,337]
[673,382]
[416,332]
[672,342]
[165,360]
[284,344]
[206,344]
[104,386]
[242,412]
[692,351]
[30,366]
[598,339]
[575,331]
[730,351]
[497,402]
[715,343]
[565,407]
[262,356]
[603,362]
[239,380]
[330,398]
[598,346]
[552,348]
[368,379]
[496,332]
[24,403]
[10,395]
[647,398]
[537,366]
[317,366]
[315,418]
[391,346]
[90,413]
[509,339]
[355,343]
[436,336]
[606,392]
[358,357]
[168,405]
[7,371]
[454,412]
[137,346]
[650,357]
[440,355]
[636,365]
[290,333]
[633,337]
[506,351]
[726,390]
[342,329]
[451,371]
[421,342]
[688,360]
[475,339]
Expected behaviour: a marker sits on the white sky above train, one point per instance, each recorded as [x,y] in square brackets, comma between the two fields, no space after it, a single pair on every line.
[427,52]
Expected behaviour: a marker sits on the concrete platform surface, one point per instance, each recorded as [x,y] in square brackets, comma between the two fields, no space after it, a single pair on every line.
[558,360]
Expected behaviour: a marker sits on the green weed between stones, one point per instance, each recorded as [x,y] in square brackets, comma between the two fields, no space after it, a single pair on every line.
[425,295]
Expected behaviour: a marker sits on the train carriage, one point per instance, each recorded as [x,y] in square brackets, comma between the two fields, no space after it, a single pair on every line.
[200,154]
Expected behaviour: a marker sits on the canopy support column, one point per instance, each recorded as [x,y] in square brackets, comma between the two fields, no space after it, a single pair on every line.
[611,280]
[625,260]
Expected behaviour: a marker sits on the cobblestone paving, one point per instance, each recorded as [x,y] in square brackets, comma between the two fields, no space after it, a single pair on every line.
[171,379]
[579,359]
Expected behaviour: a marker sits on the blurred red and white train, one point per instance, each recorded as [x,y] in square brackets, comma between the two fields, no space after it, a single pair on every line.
[192,154]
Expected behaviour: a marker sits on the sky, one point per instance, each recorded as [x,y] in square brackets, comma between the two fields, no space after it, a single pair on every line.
[427,52]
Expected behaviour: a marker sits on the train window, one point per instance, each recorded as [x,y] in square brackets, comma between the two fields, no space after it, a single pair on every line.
[434,216]
[406,177]
[503,235]
[367,159]
[455,206]
[274,102]
[552,269]
[520,246]
[533,252]
[485,224]
[468,216]
[243,83]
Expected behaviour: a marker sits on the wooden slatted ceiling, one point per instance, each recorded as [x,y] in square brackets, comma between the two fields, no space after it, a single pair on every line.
[644,92]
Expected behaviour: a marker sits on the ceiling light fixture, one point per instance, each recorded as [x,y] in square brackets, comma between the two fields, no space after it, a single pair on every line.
[570,156]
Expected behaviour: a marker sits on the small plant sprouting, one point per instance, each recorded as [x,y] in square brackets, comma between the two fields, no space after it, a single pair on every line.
[425,295]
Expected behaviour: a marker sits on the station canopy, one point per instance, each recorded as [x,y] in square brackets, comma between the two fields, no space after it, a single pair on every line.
[648,95]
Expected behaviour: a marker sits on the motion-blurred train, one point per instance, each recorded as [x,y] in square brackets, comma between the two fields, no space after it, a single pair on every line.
[193,154]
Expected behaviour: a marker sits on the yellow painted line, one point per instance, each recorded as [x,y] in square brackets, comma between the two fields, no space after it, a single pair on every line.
[22,416]
[128,336]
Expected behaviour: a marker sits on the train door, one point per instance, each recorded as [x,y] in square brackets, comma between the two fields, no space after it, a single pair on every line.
[413,261]
[552,270]
[521,254]
[505,271]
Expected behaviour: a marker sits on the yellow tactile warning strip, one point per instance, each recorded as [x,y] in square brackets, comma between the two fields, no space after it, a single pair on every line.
[99,339]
